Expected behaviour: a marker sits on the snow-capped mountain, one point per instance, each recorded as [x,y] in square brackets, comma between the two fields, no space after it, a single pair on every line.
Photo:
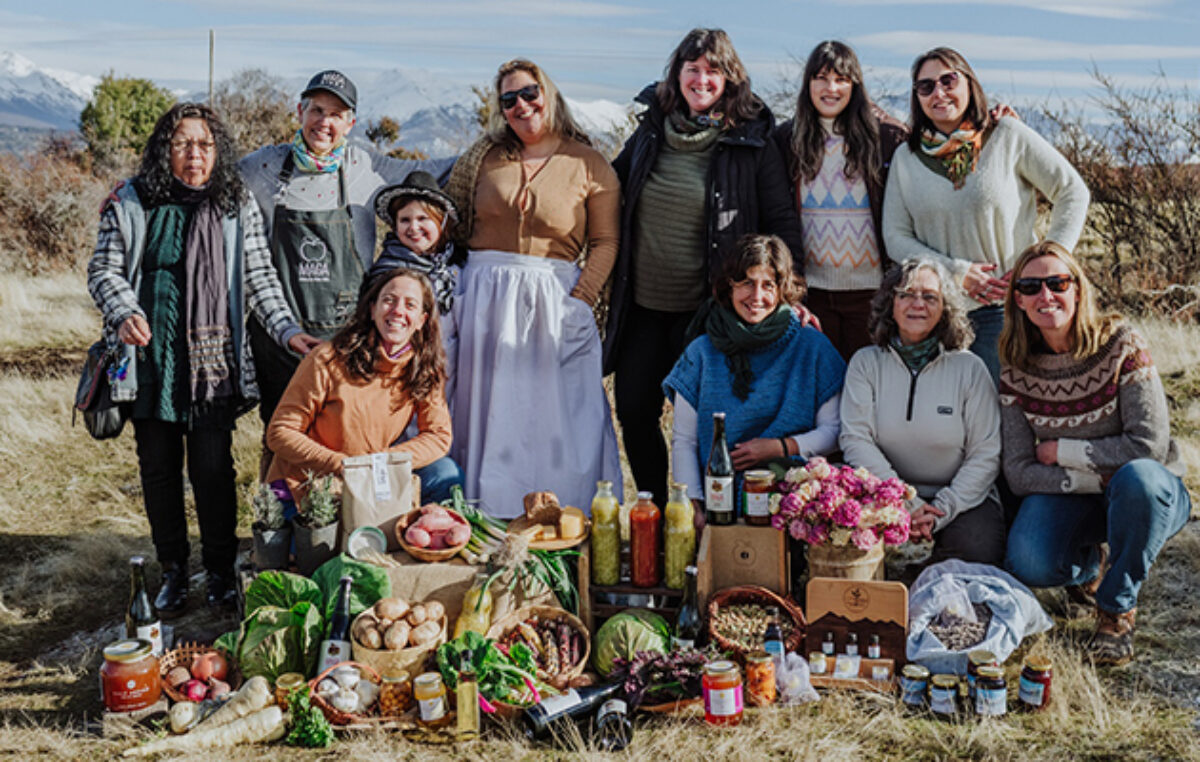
[41,98]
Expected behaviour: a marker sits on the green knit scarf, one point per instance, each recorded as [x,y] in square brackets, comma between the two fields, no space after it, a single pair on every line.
[737,339]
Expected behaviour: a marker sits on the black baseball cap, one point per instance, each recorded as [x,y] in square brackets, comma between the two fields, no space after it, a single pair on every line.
[333,81]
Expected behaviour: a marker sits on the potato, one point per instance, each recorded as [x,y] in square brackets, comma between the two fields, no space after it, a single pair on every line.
[397,636]
[391,608]
[361,625]
[417,615]
[178,676]
[372,639]
[425,633]
[434,611]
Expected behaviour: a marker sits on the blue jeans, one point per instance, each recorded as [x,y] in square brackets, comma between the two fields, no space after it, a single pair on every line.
[1053,540]
[437,478]
[988,322]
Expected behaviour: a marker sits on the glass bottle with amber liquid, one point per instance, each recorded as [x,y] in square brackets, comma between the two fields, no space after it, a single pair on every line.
[718,477]
[141,618]
[688,624]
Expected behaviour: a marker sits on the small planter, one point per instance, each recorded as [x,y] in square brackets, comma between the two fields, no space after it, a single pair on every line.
[846,562]
[272,547]
[315,546]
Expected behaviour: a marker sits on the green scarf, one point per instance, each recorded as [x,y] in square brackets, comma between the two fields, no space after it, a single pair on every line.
[736,339]
[917,356]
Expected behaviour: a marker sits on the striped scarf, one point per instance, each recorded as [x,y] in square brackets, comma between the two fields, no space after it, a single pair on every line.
[958,151]
[307,161]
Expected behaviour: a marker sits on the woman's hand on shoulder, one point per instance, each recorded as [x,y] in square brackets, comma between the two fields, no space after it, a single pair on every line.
[134,330]
[806,316]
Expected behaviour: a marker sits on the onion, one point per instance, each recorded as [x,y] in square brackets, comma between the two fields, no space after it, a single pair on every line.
[195,690]
[209,664]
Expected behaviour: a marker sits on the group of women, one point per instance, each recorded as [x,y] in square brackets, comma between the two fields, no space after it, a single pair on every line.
[922,265]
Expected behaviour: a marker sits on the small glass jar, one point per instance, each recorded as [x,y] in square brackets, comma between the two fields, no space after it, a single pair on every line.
[1034,690]
[991,691]
[395,695]
[722,689]
[430,694]
[873,648]
[914,684]
[827,645]
[760,679]
[129,677]
[976,659]
[285,685]
[943,696]
[756,496]
[852,644]
[817,662]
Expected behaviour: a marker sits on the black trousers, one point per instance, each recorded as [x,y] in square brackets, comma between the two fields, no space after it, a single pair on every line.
[273,369]
[651,343]
[161,448]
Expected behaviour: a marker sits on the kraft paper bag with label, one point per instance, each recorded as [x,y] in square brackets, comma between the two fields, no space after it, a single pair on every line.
[379,489]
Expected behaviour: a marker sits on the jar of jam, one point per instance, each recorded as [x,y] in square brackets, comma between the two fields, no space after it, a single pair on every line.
[756,496]
[1034,690]
[991,691]
[914,684]
[395,695]
[976,659]
[129,678]
[816,662]
[645,541]
[431,698]
[722,689]
[943,696]
[760,679]
[285,685]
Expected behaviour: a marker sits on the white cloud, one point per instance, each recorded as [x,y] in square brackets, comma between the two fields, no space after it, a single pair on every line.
[388,9]
[1104,9]
[987,47]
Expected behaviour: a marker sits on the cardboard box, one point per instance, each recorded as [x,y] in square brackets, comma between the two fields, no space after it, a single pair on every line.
[741,554]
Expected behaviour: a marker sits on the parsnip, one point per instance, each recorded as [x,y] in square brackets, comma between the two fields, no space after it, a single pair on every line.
[264,726]
[250,698]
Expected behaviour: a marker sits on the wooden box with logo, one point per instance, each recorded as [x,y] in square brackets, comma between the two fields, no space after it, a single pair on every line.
[741,554]
[841,607]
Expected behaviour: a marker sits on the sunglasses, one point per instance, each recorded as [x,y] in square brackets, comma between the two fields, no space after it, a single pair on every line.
[925,87]
[1033,286]
[529,94]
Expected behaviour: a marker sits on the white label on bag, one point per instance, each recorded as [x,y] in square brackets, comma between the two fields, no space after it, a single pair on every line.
[379,476]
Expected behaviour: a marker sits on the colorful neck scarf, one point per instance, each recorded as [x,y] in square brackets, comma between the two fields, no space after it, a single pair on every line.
[917,356]
[307,161]
[958,151]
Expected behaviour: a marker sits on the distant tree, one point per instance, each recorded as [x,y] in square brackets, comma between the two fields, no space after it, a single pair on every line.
[482,109]
[257,108]
[118,120]
[383,134]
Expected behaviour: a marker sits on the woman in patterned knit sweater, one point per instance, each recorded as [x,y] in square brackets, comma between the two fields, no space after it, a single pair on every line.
[838,149]
[1086,436]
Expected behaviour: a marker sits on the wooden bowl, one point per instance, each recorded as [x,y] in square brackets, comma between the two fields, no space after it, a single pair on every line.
[502,627]
[427,554]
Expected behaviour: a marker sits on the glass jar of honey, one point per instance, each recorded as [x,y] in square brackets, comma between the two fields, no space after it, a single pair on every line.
[722,689]
[129,678]
[760,678]
[395,695]
[430,694]
[756,496]
[285,685]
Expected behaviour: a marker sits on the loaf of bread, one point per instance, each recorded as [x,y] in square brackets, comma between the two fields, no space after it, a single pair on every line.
[542,508]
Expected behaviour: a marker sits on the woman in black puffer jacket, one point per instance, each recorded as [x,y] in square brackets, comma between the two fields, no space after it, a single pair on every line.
[699,172]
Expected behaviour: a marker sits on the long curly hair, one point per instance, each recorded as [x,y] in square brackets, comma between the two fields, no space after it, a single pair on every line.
[953,330]
[1089,331]
[977,108]
[737,102]
[856,124]
[558,116]
[358,345]
[752,250]
[155,179]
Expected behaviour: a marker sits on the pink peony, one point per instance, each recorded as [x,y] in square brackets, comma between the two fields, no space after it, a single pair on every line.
[864,538]
[817,534]
[896,534]
[790,505]
[848,513]
[799,530]
[779,521]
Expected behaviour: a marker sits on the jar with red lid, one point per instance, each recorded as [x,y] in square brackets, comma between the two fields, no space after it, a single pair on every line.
[722,690]
[129,677]
[1034,690]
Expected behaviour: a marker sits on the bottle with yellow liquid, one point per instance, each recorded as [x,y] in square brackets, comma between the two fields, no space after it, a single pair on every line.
[606,536]
[680,540]
[477,608]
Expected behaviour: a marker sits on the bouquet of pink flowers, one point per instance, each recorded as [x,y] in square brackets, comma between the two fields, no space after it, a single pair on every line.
[824,504]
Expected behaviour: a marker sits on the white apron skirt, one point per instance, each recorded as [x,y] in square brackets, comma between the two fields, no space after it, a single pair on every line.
[529,408]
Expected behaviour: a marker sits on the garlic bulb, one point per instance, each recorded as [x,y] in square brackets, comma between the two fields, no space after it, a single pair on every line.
[327,688]
[345,701]
[346,676]
[367,693]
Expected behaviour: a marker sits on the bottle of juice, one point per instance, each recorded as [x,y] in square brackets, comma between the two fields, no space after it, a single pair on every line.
[680,533]
[645,529]
[606,536]
[477,608]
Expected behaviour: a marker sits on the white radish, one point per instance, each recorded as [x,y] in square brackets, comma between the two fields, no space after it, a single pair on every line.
[264,726]
[250,698]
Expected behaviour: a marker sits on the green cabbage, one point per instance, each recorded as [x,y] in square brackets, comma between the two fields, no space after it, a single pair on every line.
[275,640]
[626,633]
[370,583]
[282,590]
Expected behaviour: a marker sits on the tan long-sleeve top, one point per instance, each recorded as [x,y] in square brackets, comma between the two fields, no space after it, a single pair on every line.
[326,415]
[571,202]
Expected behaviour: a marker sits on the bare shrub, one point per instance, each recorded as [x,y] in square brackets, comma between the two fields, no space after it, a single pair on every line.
[257,108]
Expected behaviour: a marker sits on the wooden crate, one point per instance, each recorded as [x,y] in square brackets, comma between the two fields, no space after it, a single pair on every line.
[741,554]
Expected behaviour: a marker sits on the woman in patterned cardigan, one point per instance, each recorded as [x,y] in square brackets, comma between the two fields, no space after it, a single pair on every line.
[1086,438]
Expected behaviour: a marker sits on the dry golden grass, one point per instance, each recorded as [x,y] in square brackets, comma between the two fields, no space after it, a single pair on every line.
[70,515]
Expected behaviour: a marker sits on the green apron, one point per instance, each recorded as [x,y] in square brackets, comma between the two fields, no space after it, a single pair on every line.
[320,272]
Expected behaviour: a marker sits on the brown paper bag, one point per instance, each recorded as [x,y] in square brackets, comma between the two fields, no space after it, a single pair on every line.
[379,489]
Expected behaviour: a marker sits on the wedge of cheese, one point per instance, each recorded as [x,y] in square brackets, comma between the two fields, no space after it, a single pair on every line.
[549,532]
[570,524]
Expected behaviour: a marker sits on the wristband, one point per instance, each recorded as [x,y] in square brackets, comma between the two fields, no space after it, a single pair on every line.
[783,444]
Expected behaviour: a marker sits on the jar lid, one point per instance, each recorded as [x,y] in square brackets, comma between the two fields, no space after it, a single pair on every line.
[132,649]
[758,657]
[401,677]
[981,656]
[1039,663]
[720,667]
[945,681]
[759,475]
[915,672]
[991,670]
[645,496]
[816,656]
[428,679]
[289,680]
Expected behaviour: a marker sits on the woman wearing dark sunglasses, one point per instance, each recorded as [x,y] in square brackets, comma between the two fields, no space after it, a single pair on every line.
[1086,438]
[699,172]
[529,408]
[965,189]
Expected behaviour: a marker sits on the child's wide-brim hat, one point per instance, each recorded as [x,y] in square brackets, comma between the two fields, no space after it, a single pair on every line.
[418,185]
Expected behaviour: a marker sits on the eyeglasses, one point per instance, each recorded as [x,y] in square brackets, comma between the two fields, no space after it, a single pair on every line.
[931,298]
[185,146]
[925,87]
[1033,286]
[529,94]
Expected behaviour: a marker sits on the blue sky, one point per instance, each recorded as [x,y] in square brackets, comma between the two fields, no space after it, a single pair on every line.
[1023,50]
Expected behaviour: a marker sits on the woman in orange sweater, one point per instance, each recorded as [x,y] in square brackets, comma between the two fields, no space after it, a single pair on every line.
[389,357]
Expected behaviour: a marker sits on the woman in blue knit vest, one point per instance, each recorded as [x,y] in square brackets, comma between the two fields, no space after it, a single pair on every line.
[777,381]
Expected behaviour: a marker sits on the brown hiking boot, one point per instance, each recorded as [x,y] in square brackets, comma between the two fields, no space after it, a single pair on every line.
[1081,599]
[1112,642]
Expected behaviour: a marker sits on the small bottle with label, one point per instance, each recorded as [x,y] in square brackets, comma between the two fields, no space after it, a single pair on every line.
[873,649]
[467,698]
[613,730]
[141,618]
[773,636]
[827,646]
[852,644]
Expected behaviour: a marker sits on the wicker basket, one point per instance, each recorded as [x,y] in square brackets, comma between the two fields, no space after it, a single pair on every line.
[502,627]
[732,596]
[425,554]
[410,660]
[182,656]
[337,716]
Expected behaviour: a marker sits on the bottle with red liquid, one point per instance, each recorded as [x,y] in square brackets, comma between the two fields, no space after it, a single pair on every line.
[645,541]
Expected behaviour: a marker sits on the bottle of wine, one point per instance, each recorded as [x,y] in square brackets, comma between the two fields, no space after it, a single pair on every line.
[335,648]
[141,618]
[773,636]
[687,624]
[540,719]
[718,477]
[467,698]
[613,730]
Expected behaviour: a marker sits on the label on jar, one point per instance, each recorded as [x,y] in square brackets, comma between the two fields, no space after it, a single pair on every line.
[990,702]
[678,644]
[723,702]
[612,706]
[432,709]
[941,700]
[912,692]
[153,633]
[757,503]
[718,494]
[1031,692]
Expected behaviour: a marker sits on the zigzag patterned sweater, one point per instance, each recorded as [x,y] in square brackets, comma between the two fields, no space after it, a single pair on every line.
[1105,411]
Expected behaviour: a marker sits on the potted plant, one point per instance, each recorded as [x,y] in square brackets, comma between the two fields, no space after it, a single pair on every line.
[272,532]
[317,523]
